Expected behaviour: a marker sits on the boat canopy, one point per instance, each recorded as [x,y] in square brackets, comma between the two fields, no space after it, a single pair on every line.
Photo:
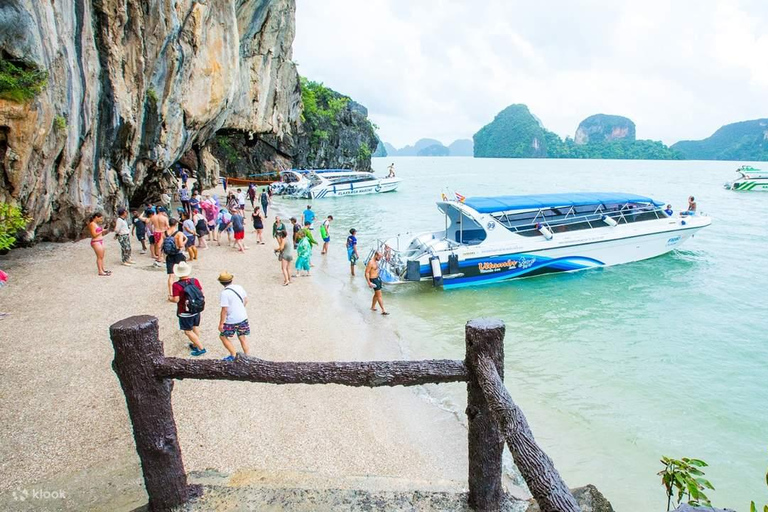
[541,201]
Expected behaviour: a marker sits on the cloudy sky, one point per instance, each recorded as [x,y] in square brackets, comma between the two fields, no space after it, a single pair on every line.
[443,68]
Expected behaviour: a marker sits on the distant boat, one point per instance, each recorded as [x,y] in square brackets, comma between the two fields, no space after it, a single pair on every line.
[318,184]
[751,179]
[491,239]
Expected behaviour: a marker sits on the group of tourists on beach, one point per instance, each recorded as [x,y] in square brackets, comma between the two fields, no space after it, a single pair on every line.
[202,219]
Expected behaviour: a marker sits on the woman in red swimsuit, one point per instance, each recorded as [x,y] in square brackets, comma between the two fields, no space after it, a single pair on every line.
[97,241]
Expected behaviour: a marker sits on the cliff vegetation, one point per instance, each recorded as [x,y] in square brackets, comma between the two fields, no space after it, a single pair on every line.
[746,141]
[20,82]
[516,133]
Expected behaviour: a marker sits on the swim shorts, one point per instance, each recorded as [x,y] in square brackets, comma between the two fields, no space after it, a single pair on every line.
[326,239]
[239,235]
[187,323]
[241,329]
[377,284]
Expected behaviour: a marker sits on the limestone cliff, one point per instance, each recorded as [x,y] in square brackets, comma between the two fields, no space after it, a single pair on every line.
[134,86]
[604,128]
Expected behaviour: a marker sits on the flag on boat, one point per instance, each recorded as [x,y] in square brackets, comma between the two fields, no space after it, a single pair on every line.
[460,198]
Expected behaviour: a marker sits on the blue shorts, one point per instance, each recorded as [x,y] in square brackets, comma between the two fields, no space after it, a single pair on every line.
[241,329]
[351,255]
[188,323]
[326,239]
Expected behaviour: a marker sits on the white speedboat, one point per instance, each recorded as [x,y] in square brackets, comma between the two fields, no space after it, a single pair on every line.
[750,179]
[491,239]
[317,184]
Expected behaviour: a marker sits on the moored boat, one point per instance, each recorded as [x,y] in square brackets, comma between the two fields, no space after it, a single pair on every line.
[750,179]
[318,184]
[491,239]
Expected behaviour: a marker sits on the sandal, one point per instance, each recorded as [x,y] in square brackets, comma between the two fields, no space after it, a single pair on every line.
[106,274]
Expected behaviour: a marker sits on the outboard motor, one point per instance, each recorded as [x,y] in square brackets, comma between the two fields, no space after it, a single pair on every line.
[544,230]
[610,221]
[437,272]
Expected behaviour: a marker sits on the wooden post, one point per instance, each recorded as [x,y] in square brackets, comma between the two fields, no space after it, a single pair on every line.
[137,346]
[483,337]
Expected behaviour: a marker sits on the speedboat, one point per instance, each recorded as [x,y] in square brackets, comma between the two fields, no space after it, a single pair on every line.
[492,239]
[750,179]
[317,184]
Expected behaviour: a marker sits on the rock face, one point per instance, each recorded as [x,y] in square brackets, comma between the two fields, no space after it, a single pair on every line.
[513,133]
[747,140]
[133,87]
[588,498]
[604,128]
[434,150]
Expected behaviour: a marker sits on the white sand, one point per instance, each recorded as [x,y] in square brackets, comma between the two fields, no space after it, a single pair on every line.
[63,420]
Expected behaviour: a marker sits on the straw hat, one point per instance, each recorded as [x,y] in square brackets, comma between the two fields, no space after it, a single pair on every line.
[225,277]
[182,269]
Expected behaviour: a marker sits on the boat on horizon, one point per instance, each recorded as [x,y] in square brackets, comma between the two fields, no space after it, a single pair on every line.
[321,183]
[492,239]
[750,180]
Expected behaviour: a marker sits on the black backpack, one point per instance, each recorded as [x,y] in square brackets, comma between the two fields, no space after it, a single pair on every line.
[193,297]
[169,245]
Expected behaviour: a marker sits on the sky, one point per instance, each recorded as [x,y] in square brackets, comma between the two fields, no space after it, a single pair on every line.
[442,69]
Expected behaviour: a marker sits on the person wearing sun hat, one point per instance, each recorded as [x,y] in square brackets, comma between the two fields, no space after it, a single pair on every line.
[187,293]
[234,317]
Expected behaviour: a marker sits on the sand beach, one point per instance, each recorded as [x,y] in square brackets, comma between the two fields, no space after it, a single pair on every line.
[63,419]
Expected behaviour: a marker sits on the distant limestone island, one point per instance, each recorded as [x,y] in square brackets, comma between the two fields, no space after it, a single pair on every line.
[516,133]
[427,147]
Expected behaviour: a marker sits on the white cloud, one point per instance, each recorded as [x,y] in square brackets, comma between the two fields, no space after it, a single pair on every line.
[444,68]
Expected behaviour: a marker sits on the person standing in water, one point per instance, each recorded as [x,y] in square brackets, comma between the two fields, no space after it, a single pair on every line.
[97,241]
[325,233]
[374,281]
[352,255]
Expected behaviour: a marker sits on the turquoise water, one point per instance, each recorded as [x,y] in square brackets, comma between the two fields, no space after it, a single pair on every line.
[613,367]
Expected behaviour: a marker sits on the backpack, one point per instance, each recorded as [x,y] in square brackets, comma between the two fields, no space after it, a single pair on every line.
[193,297]
[169,246]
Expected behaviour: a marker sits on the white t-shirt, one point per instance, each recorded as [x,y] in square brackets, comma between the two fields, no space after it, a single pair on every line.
[121,227]
[236,312]
[241,198]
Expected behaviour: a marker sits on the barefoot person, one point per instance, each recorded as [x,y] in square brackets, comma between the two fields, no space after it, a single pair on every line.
[352,255]
[325,233]
[234,317]
[238,226]
[97,241]
[374,281]
[123,236]
[285,255]
[159,223]
[188,294]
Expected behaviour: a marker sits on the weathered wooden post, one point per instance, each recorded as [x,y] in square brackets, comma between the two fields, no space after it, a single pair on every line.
[137,345]
[483,337]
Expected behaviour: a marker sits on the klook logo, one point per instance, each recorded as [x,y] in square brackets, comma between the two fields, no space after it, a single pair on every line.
[37,494]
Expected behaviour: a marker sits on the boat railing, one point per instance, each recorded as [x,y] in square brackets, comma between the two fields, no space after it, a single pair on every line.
[625,216]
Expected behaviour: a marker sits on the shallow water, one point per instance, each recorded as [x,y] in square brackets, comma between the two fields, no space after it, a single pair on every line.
[614,367]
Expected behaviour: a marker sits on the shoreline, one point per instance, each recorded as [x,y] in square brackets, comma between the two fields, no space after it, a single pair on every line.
[64,411]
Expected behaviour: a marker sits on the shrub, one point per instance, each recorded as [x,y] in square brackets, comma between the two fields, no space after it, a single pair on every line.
[11,222]
[20,82]
[60,122]
[684,479]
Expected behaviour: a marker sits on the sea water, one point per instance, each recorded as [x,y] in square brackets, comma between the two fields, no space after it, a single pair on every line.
[613,367]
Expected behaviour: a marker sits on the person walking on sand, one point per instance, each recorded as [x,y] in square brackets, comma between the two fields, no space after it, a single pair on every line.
[258,223]
[325,233]
[264,199]
[184,197]
[201,228]
[160,225]
[352,255]
[296,229]
[187,293]
[251,194]
[188,227]
[277,226]
[173,245]
[238,226]
[241,199]
[284,255]
[233,319]
[374,282]
[224,221]
[97,241]
[139,230]
[303,253]
[123,236]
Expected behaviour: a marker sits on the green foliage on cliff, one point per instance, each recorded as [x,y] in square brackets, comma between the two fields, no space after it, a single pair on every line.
[322,107]
[11,222]
[747,140]
[516,133]
[229,151]
[20,82]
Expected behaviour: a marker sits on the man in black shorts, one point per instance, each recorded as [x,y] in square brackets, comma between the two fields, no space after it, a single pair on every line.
[173,247]
[374,281]
[188,322]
